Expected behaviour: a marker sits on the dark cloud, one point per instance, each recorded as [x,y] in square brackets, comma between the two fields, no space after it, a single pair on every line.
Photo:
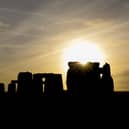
[50,12]
[86,9]
[42,18]
[32,19]
[21,5]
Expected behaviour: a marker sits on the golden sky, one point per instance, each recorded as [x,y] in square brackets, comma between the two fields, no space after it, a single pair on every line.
[35,34]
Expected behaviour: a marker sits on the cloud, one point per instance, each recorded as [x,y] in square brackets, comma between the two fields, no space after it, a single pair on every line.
[21,5]
[124,74]
[122,80]
[43,19]
[89,9]
[3,26]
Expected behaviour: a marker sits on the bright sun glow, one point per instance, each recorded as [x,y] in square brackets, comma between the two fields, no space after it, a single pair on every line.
[83,51]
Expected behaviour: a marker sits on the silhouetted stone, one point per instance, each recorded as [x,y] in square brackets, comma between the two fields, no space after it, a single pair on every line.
[91,79]
[24,84]
[86,79]
[47,84]
[74,78]
[82,80]
[53,85]
[12,88]
[2,90]
[38,84]
[107,80]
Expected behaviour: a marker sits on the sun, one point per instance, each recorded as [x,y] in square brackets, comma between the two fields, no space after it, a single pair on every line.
[83,51]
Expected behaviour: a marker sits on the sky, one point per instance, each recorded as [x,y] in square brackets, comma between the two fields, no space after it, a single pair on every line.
[35,33]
